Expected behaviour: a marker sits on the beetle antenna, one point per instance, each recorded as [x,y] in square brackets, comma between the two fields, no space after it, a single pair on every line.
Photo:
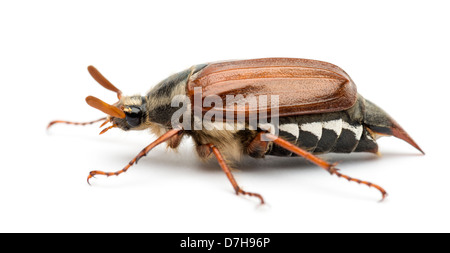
[105,107]
[103,81]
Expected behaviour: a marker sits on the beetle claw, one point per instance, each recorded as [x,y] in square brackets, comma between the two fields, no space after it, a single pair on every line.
[91,175]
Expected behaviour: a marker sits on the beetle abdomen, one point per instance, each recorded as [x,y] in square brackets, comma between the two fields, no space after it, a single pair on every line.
[338,132]
[318,137]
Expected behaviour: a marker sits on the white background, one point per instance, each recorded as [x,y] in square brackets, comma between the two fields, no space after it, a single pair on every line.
[397,52]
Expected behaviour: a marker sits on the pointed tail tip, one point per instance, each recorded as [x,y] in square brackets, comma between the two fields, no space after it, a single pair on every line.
[400,133]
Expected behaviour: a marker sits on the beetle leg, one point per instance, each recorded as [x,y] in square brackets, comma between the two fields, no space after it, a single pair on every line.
[141,154]
[174,141]
[257,147]
[327,166]
[203,151]
[227,171]
[74,123]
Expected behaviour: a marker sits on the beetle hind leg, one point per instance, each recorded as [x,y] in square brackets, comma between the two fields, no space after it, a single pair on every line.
[379,188]
[331,168]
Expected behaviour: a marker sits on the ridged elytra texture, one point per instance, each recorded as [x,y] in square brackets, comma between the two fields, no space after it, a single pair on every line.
[303,86]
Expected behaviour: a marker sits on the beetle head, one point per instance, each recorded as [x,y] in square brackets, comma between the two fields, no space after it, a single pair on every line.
[129,113]
[135,111]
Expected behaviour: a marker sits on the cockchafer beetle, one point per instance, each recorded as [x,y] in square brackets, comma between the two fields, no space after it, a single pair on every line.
[317,110]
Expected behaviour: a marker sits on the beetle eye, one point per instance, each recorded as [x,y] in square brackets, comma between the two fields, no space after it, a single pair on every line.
[133,116]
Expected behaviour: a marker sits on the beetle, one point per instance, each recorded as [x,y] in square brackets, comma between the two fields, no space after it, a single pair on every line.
[318,111]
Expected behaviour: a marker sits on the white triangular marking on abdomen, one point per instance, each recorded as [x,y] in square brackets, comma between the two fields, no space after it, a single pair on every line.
[334,125]
[357,130]
[313,127]
[291,128]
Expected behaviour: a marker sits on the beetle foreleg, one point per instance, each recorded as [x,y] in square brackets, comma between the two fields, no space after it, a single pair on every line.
[227,171]
[74,123]
[143,152]
[327,166]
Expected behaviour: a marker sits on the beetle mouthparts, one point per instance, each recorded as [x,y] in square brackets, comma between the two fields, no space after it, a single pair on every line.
[106,129]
